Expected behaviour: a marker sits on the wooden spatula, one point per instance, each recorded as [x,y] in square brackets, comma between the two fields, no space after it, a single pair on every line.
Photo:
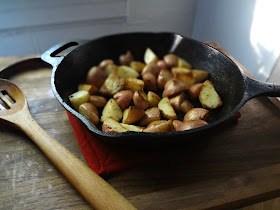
[14,110]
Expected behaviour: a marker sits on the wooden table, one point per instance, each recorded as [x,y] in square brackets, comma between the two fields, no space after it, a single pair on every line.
[235,167]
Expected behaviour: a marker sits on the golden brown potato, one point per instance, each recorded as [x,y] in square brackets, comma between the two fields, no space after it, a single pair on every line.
[133,84]
[166,109]
[110,68]
[112,110]
[177,124]
[110,125]
[171,60]
[132,114]
[186,78]
[164,76]
[161,64]
[98,101]
[151,114]
[197,114]
[150,56]
[153,99]
[151,68]
[184,63]
[92,89]
[137,66]
[90,112]
[140,99]
[132,127]
[126,72]
[126,59]
[177,101]
[208,96]
[160,126]
[191,124]
[195,90]
[177,70]
[186,106]
[112,85]
[78,98]
[199,75]
[174,87]
[95,76]
[103,64]
[123,98]
[150,82]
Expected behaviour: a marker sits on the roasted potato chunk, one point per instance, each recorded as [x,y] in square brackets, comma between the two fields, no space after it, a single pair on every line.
[137,66]
[110,125]
[151,114]
[90,112]
[194,90]
[98,101]
[132,127]
[132,114]
[174,87]
[160,126]
[191,124]
[186,106]
[133,84]
[208,96]
[112,85]
[126,72]
[78,98]
[171,60]
[153,99]
[199,75]
[140,99]
[166,109]
[197,114]
[112,110]
[95,76]
[150,56]
[164,76]
[91,89]
[123,98]
[126,59]
[177,101]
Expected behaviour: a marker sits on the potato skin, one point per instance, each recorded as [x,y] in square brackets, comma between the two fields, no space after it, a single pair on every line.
[112,110]
[197,114]
[177,101]
[153,99]
[126,59]
[98,101]
[164,76]
[110,125]
[186,106]
[103,64]
[171,60]
[123,98]
[208,96]
[166,109]
[150,82]
[132,114]
[162,64]
[140,99]
[160,126]
[96,76]
[177,124]
[195,90]
[89,111]
[151,68]
[191,124]
[174,87]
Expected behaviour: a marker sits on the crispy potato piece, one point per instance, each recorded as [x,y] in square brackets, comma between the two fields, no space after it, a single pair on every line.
[110,68]
[195,90]
[208,96]
[140,99]
[151,114]
[150,56]
[153,99]
[164,76]
[150,82]
[197,114]
[160,126]
[184,63]
[177,124]
[98,101]
[132,114]
[95,76]
[186,106]
[112,110]
[171,60]
[191,124]
[177,70]
[90,88]
[137,66]
[90,112]
[133,84]
[132,127]
[177,101]
[186,78]
[104,63]
[78,98]
[123,98]
[127,72]
[151,68]
[112,85]
[199,75]
[126,59]
[174,87]
[166,109]
[110,125]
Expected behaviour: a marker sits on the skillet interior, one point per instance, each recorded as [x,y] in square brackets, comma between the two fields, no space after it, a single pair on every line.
[225,74]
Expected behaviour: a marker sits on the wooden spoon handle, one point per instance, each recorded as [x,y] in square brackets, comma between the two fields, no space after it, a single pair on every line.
[93,188]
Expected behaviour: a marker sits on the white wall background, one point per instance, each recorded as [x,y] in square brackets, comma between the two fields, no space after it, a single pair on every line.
[246,29]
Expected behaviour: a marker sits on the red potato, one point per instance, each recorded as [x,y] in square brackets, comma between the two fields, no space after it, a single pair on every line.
[126,59]
[194,90]
[166,109]
[153,99]
[151,114]
[191,124]
[164,76]
[103,64]
[186,106]
[177,101]
[123,98]
[90,112]
[91,89]
[162,64]
[98,101]
[160,126]
[174,87]
[140,99]
[132,114]
[150,82]
[151,68]
[197,114]
[110,125]
[177,124]
[96,76]
[171,60]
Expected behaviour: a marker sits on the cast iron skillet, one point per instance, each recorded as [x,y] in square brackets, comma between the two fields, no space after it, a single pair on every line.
[234,87]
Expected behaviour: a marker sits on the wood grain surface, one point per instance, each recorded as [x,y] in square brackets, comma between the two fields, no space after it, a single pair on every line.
[234,166]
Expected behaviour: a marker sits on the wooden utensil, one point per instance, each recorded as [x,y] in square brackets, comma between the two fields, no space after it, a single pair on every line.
[14,110]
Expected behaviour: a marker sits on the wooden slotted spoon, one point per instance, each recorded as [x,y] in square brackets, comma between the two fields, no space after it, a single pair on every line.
[14,110]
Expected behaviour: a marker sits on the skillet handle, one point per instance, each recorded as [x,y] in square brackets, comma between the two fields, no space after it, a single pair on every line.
[256,88]
[51,55]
